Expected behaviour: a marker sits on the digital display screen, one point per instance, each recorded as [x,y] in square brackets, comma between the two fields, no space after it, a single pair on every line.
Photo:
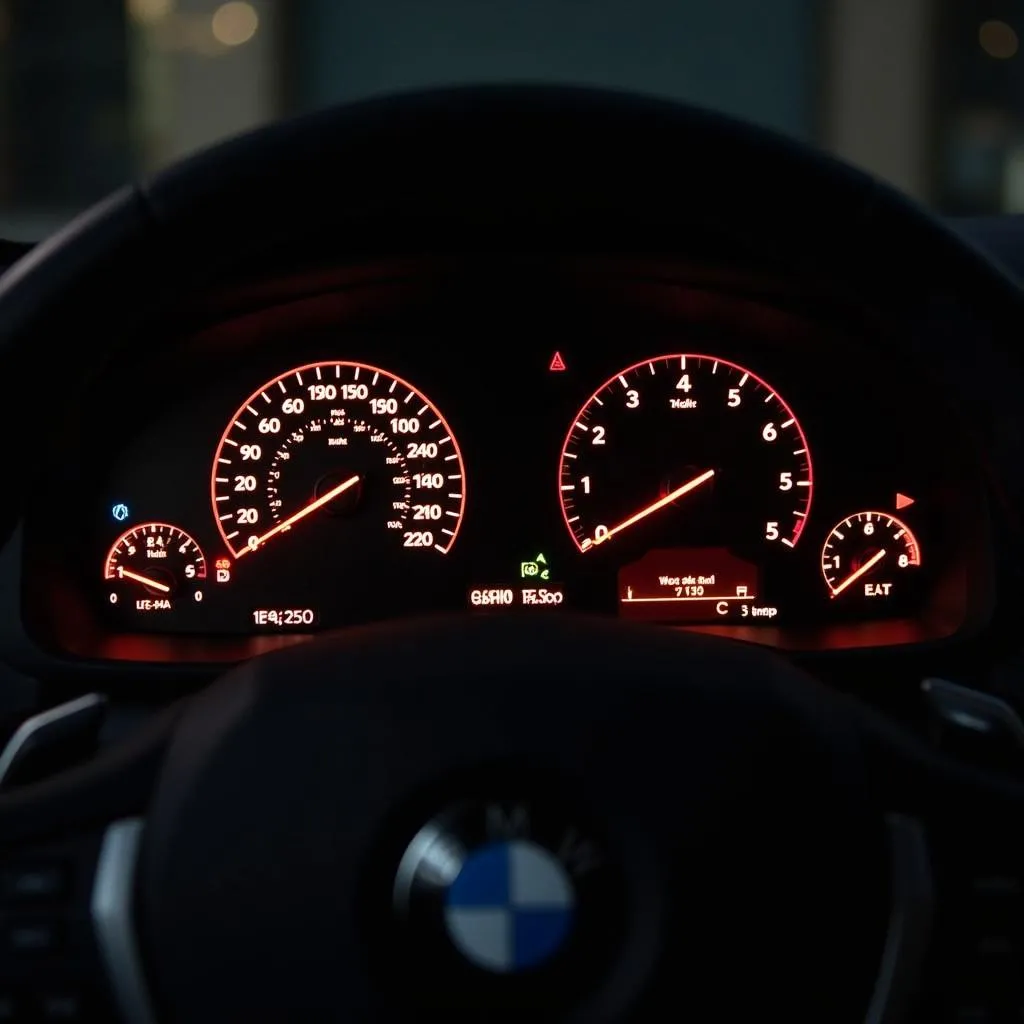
[691,585]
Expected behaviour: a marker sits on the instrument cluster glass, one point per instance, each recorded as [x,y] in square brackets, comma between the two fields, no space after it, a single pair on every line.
[727,482]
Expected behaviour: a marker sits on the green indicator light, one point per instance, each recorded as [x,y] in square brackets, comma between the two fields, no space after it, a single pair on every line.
[537,568]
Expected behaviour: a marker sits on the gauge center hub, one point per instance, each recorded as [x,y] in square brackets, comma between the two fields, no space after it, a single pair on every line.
[301,470]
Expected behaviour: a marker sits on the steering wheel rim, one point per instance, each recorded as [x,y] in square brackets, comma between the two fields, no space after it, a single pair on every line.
[619,172]
[133,246]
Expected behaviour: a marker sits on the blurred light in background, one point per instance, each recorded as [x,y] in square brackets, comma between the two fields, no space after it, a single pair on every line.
[924,93]
[148,11]
[998,39]
[193,28]
[235,23]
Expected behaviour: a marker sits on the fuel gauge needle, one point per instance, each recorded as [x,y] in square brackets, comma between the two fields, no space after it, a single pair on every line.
[306,510]
[865,568]
[145,580]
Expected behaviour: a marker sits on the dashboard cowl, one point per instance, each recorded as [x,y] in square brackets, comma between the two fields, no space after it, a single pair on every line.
[344,175]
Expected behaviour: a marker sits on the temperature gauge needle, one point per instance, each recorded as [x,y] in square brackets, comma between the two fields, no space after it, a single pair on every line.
[306,510]
[865,568]
[648,510]
[127,574]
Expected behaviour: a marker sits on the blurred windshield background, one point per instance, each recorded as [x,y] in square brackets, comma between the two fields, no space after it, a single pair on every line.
[928,94]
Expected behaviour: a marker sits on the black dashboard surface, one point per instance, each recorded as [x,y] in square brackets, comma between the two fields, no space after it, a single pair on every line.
[902,431]
[821,459]
[684,444]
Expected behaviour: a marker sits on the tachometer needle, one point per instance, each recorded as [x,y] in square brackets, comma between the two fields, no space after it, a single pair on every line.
[306,510]
[682,489]
[129,575]
[854,576]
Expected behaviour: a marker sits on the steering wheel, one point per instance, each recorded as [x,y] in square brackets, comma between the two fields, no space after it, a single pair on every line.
[575,819]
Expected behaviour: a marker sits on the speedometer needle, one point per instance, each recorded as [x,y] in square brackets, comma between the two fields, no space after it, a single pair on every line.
[306,510]
[145,580]
[854,576]
[682,489]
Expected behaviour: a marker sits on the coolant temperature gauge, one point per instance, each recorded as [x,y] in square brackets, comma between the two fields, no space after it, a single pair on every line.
[153,566]
[869,556]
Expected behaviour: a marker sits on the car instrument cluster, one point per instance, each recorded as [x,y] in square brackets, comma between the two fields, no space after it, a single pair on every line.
[743,469]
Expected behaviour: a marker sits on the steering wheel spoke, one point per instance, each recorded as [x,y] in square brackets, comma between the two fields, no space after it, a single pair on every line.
[976,959]
[68,847]
[960,938]
[974,967]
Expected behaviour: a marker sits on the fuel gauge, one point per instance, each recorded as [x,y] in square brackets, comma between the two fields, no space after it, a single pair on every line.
[152,567]
[870,556]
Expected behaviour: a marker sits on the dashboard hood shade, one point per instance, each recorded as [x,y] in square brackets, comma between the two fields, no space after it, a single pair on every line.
[505,165]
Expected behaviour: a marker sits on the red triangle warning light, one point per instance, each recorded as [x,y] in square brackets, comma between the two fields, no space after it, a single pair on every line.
[902,501]
[557,363]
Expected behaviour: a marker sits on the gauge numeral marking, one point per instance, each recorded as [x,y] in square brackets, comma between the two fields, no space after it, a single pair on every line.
[864,560]
[651,443]
[329,420]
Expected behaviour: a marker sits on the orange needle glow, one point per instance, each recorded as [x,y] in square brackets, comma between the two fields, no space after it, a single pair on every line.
[853,577]
[306,510]
[129,575]
[691,485]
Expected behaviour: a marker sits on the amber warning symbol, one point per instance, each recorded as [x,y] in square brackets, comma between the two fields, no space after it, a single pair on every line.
[557,363]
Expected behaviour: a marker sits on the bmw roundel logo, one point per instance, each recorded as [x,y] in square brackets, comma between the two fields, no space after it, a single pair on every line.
[510,907]
[515,903]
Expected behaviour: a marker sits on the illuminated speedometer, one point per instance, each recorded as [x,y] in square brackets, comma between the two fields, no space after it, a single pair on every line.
[338,455]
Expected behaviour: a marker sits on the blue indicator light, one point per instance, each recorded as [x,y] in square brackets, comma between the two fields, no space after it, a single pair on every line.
[120,512]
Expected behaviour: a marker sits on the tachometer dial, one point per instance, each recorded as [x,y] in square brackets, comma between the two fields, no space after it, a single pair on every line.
[685,450]
[869,555]
[338,455]
[152,566]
